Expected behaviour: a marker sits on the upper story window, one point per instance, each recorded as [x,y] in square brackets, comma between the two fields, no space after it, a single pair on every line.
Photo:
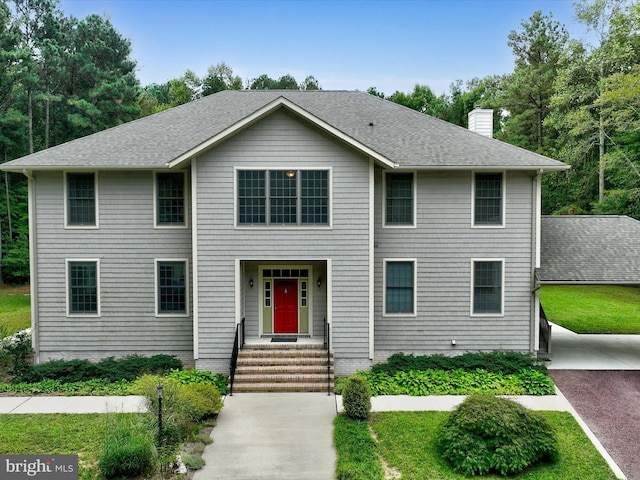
[399,278]
[81,195]
[170,199]
[82,287]
[283,197]
[399,199]
[488,287]
[488,199]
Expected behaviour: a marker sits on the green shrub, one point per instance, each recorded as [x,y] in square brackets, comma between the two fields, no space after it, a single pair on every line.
[356,398]
[488,434]
[15,353]
[110,369]
[492,362]
[200,400]
[218,380]
[128,449]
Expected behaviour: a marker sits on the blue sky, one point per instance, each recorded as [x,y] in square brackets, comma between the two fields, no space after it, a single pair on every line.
[348,45]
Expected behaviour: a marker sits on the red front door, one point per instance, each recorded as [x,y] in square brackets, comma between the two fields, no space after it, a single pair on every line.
[285,317]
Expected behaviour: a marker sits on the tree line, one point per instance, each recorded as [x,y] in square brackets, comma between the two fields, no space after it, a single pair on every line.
[579,102]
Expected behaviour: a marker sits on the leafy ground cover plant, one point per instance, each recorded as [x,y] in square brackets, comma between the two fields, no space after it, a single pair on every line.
[218,380]
[487,434]
[96,386]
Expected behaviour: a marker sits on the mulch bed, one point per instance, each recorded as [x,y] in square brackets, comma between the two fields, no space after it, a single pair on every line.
[609,402]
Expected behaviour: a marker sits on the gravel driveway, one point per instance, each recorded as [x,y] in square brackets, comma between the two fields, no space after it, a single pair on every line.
[609,402]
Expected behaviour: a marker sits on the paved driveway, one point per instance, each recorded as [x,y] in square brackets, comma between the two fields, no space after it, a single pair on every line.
[609,403]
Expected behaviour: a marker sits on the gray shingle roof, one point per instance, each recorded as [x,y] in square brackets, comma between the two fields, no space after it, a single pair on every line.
[590,249]
[399,134]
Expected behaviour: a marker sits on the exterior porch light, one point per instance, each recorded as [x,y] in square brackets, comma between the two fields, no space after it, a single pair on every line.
[290,173]
[251,283]
[319,282]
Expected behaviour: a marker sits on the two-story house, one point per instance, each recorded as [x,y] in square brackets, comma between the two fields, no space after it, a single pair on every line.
[290,210]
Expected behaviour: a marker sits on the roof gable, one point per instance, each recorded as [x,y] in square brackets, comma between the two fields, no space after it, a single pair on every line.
[394,135]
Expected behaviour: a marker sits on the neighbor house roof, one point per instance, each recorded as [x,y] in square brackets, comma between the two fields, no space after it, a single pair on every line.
[599,249]
[392,134]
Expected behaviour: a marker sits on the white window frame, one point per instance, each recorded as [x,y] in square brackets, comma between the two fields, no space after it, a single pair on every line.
[68,261]
[66,202]
[187,280]
[414,191]
[502,288]
[503,206]
[302,226]
[155,201]
[385,261]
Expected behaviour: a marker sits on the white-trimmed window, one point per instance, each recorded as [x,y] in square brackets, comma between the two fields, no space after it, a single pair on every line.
[81,200]
[170,201]
[487,290]
[172,293]
[399,287]
[283,197]
[400,201]
[83,287]
[488,199]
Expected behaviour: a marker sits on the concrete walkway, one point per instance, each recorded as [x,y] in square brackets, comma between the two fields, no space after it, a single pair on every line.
[272,435]
[124,404]
[572,351]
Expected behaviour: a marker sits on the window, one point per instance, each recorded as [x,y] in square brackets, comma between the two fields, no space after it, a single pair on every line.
[171,286]
[82,278]
[81,199]
[488,199]
[170,199]
[399,287]
[487,287]
[399,199]
[283,197]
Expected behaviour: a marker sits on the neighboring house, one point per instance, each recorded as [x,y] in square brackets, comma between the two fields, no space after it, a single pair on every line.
[288,209]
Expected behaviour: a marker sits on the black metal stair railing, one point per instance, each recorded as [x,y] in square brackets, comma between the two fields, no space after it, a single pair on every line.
[238,343]
[327,346]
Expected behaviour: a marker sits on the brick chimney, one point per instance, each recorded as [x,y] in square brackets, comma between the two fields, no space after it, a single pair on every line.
[481,121]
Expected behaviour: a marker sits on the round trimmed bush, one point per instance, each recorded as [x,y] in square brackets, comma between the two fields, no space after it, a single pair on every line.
[356,397]
[488,434]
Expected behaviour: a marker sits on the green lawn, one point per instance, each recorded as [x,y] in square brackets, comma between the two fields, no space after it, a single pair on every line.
[406,441]
[593,308]
[57,434]
[15,309]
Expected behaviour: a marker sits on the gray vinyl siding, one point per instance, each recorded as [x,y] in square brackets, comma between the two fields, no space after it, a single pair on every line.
[282,141]
[444,244]
[127,245]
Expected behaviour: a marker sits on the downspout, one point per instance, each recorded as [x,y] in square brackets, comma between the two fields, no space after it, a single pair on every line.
[535,257]
[194,260]
[33,262]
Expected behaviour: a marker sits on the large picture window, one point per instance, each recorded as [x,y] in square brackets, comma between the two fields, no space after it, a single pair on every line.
[82,278]
[399,287]
[488,287]
[488,199]
[399,199]
[81,199]
[172,286]
[283,197]
[170,199]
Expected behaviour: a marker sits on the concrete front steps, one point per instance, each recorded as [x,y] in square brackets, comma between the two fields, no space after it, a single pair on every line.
[282,367]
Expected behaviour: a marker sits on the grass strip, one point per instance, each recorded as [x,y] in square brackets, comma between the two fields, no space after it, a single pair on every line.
[407,441]
[357,457]
[58,434]
[593,308]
